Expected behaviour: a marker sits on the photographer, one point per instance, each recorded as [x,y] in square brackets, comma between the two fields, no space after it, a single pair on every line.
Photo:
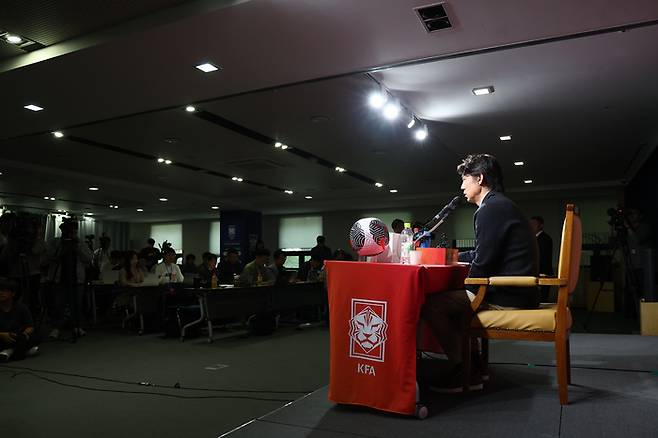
[68,258]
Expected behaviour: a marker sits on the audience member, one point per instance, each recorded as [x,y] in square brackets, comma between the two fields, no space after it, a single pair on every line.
[68,258]
[341,255]
[208,270]
[229,269]
[168,271]
[397,226]
[321,251]
[131,275]
[279,272]
[312,270]
[256,273]
[545,245]
[17,336]
[102,256]
[150,254]
[110,273]
[189,267]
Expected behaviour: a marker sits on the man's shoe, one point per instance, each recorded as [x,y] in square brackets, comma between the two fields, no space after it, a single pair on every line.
[454,383]
[54,334]
[32,351]
[6,354]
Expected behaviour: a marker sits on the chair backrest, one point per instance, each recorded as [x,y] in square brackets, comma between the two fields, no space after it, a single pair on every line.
[570,248]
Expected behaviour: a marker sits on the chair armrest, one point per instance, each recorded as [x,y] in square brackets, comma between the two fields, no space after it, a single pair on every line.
[552,281]
[476,281]
[513,281]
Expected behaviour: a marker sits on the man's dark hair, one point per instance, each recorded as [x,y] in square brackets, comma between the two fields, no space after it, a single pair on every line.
[150,241]
[231,251]
[538,219]
[320,240]
[208,256]
[485,165]
[278,253]
[262,252]
[190,257]
[396,223]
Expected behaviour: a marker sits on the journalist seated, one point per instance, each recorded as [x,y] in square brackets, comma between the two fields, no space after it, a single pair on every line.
[230,268]
[208,270]
[312,270]
[168,271]
[279,272]
[256,272]
[17,336]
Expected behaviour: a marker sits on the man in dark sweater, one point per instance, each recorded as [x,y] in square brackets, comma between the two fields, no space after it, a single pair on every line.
[17,336]
[504,245]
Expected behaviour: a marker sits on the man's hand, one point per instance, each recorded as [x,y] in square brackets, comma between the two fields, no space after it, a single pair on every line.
[7,337]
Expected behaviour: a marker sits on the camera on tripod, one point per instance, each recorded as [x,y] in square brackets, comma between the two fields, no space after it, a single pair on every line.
[617,219]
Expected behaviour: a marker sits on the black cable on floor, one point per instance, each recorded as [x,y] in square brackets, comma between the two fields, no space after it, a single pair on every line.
[15,374]
[532,365]
[155,385]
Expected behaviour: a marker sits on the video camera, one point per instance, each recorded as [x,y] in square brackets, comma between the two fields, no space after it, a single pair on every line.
[617,218]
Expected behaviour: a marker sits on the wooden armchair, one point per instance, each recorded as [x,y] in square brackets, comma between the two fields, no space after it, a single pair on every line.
[549,323]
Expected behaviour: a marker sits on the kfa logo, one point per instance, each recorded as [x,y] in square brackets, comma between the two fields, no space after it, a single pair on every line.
[368,329]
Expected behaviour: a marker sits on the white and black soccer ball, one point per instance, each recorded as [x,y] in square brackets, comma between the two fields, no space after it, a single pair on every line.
[369,236]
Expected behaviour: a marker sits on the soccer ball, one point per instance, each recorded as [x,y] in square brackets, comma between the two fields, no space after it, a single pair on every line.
[369,236]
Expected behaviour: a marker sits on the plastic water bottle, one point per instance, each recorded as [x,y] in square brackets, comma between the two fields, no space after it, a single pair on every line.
[406,242]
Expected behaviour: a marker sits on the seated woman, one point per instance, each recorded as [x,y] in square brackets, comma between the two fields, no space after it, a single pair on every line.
[17,336]
[131,275]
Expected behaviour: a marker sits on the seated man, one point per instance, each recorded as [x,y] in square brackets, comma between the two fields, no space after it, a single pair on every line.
[208,269]
[312,270]
[504,245]
[256,272]
[279,271]
[227,270]
[190,266]
[17,336]
[168,271]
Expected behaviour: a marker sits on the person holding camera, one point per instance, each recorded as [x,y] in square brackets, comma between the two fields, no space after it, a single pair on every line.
[68,259]
[17,336]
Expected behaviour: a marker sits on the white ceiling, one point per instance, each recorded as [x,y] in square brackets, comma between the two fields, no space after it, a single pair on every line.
[579,101]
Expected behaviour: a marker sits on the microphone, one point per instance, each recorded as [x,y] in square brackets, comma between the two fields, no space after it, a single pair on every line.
[445,211]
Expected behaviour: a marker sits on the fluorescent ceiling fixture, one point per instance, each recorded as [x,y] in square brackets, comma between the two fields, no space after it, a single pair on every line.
[308,197]
[207,67]
[190,109]
[393,190]
[13,39]
[505,137]
[290,192]
[481,91]
[527,181]
[140,209]
[378,184]
[340,169]
[377,99]
[163,199]
[160,160]
[421,133]
[214,207]
[167,161]
[411,123]
[237,178]
[58,134]
[519,163]
[277,144]
[391,111]
[32,107]
[94,189]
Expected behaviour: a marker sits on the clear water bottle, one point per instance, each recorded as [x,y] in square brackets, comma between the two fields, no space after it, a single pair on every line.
[406,242]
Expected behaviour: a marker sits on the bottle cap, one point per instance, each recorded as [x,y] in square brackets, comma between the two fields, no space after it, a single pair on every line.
[407,224]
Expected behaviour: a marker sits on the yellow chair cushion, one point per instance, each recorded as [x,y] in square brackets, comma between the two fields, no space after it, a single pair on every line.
[541,320]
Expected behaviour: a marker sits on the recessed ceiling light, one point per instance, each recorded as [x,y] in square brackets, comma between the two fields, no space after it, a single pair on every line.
[527,181]
[393,190]
[163,199]
[505,137]
[214,207]
[190,109]
[94,189]
[167,162]
[308,197]
[46,197]
[52,199]
[378,184]
[290,192]
[13,39]
[277,144]
[236,178]
[481,91]
[340,169]
[140,209]
[411,123]
[58,134]
[32,107]
[519,163]
[207,67]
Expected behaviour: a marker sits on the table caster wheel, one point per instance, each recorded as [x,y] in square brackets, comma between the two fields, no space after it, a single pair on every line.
[421,412]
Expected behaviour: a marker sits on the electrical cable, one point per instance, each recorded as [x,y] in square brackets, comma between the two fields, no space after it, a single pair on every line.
[15,374]
[155,385]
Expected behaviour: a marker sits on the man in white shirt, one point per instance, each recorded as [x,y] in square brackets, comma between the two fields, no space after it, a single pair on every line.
[168,271]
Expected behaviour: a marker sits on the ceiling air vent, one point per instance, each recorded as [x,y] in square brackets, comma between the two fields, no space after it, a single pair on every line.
[434,17]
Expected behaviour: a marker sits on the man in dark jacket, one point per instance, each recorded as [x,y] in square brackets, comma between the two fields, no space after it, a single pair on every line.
[504,245]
